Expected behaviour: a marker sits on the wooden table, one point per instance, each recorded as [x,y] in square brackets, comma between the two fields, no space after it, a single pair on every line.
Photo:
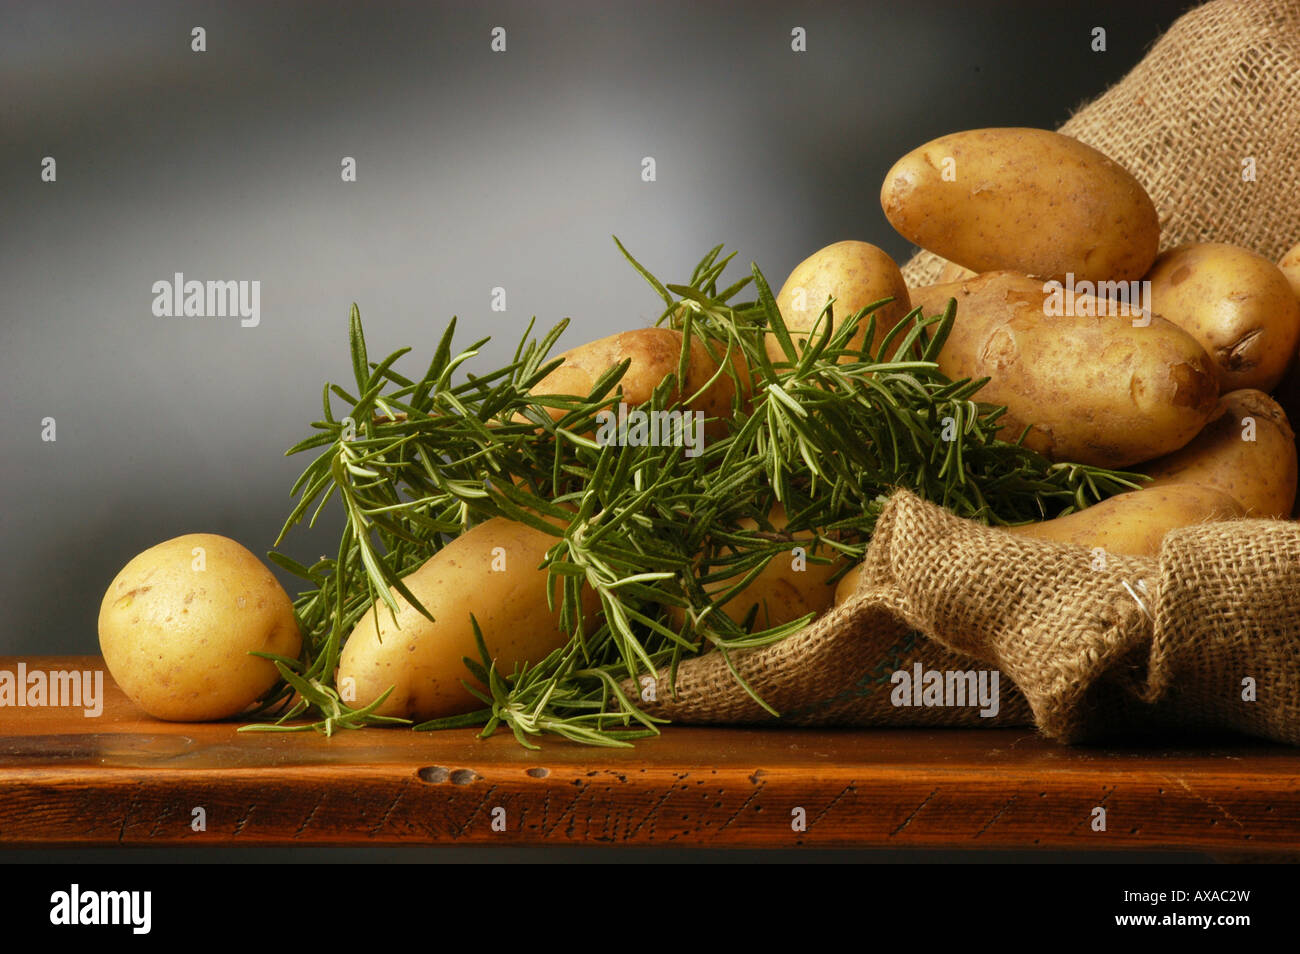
[124,778]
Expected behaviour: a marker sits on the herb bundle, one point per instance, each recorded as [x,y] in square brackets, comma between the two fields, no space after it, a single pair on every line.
[827,432]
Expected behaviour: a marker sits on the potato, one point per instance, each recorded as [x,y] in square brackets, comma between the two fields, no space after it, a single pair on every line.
[655,354]
[848,585]
[1024,200]
[1289,264]
[788,588]
[1237,304]
[1134,523]
[1131,524]
[1098,390]
[178,622]
[1247,450]
[490,571]
[855,274]
[1287,391]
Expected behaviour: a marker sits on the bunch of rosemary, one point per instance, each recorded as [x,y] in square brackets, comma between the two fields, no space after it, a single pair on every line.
[827,432]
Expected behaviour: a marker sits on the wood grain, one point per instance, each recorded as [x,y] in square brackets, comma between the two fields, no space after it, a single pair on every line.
[125,778]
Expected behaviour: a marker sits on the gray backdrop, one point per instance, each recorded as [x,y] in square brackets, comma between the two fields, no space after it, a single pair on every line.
[476,169]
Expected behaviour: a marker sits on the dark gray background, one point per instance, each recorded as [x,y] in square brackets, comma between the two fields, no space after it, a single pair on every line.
[476,169]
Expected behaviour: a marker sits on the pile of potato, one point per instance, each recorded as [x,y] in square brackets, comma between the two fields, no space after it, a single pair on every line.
[1178,390]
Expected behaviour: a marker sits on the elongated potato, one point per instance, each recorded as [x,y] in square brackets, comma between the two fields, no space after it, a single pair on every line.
[489,571]
[1134,523]
[1237,304]
[1131,524]
[1025,200]
[855,274]
[1247,450]
[788,588]
[1097,390]
[655,354]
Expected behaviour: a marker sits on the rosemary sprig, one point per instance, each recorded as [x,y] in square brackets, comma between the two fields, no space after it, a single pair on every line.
[827,432]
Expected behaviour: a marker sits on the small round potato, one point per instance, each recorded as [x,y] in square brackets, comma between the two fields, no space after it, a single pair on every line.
[855,274]
[1025,200]
[177,624]
[1237,304]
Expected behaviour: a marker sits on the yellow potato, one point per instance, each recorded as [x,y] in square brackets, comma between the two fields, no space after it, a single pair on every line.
[1247,450]
[1237,304]
[1131,524]
[655,354]
[490,571]
[1289,264]
[1025,200]
[855,274]
[177,624]
[788,588]
[1097,390]
[848,585]
[1134,523]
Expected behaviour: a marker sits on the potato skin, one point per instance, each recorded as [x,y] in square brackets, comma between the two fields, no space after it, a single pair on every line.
[1024,200]
[655,354]
[781,593]
[855,274]
[423,660]
[1289,265]
[1097,389]
[1261,474]
[1131,524]
[848,585]
[1135,523]
[1237,304]
[176,638]
[1287,391]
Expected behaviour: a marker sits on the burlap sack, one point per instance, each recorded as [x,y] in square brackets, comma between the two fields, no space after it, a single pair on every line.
[1220,87]
[1205,638]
